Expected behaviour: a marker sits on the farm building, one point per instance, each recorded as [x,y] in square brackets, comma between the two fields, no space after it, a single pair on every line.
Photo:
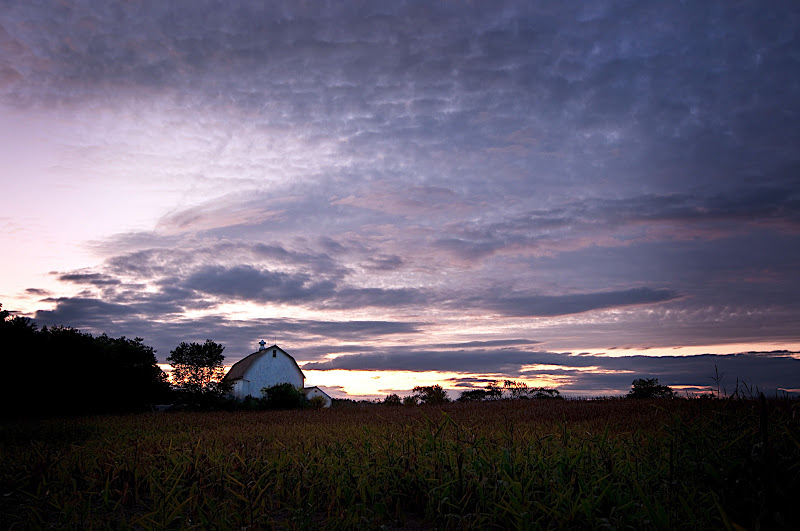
[267,367]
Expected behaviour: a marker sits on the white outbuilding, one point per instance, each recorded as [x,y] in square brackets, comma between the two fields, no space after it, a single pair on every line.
[267,367]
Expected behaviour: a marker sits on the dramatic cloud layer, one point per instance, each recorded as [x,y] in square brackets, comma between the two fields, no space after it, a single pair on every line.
[378,180]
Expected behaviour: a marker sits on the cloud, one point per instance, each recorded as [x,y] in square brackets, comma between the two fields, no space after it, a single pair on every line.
[549,306]
[421,359]
[38,292]
[486,344]
[239,335]
[247,282]
[79,311]
[384,263]
[95,279]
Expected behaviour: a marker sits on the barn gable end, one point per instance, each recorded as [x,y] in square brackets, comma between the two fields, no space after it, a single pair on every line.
[264,368]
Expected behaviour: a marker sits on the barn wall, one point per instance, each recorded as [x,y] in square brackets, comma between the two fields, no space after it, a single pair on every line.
[267,371]
[315,391]
[241,388]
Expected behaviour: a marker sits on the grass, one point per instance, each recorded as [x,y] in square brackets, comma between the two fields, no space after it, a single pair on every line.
[540,464]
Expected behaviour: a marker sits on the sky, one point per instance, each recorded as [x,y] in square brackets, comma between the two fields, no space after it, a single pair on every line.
[570,194]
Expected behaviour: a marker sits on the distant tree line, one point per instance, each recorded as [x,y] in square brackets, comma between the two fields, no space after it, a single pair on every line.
[510,389]
[60,370]
[644,388]
[499,390]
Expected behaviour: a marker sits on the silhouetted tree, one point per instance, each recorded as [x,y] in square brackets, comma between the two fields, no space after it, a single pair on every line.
[130,372]
[472,395]
[392,400]
[516,389]
[650,388]
[198,370]
[431,394]
[60,370]
[410,400]
[544,392]
[494,391]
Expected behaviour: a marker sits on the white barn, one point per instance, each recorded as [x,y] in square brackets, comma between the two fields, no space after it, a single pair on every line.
[267,367]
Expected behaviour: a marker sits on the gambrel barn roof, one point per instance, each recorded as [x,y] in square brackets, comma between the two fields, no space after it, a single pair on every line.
[239,368]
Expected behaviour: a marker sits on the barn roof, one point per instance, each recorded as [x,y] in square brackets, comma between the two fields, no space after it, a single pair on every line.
[307,390]
[238,369]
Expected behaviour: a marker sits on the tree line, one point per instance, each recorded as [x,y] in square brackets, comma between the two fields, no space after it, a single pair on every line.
[61,370]
[643,388]
[501,389]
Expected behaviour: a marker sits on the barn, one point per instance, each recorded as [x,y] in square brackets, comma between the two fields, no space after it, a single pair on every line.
[267,367]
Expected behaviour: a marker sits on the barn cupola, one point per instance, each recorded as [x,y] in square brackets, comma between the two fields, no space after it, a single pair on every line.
[262,345]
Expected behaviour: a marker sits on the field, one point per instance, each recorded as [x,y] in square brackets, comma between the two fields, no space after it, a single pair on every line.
[524,464]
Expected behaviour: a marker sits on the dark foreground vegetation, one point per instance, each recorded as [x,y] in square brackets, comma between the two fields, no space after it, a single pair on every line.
[506,464]
[63,371]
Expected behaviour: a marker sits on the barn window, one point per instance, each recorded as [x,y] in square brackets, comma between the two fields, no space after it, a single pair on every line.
[274,353]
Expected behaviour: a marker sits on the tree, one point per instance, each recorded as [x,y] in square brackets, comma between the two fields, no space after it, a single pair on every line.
[544,392]
[516,389]
[198,368]
[392,400]
[130,372]
[494,391]
[650,388]
[75,373]
[472,395]
[431,394]
[410,400]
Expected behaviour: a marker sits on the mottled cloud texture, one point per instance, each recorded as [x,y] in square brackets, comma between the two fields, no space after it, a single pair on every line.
[374,179]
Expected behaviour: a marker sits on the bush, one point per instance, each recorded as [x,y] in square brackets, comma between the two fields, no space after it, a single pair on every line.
[283,396]
[392,400]
[317,402]
[650,388]
[431,394]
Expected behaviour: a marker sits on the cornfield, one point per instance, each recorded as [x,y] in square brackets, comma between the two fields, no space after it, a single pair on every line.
[535,464]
